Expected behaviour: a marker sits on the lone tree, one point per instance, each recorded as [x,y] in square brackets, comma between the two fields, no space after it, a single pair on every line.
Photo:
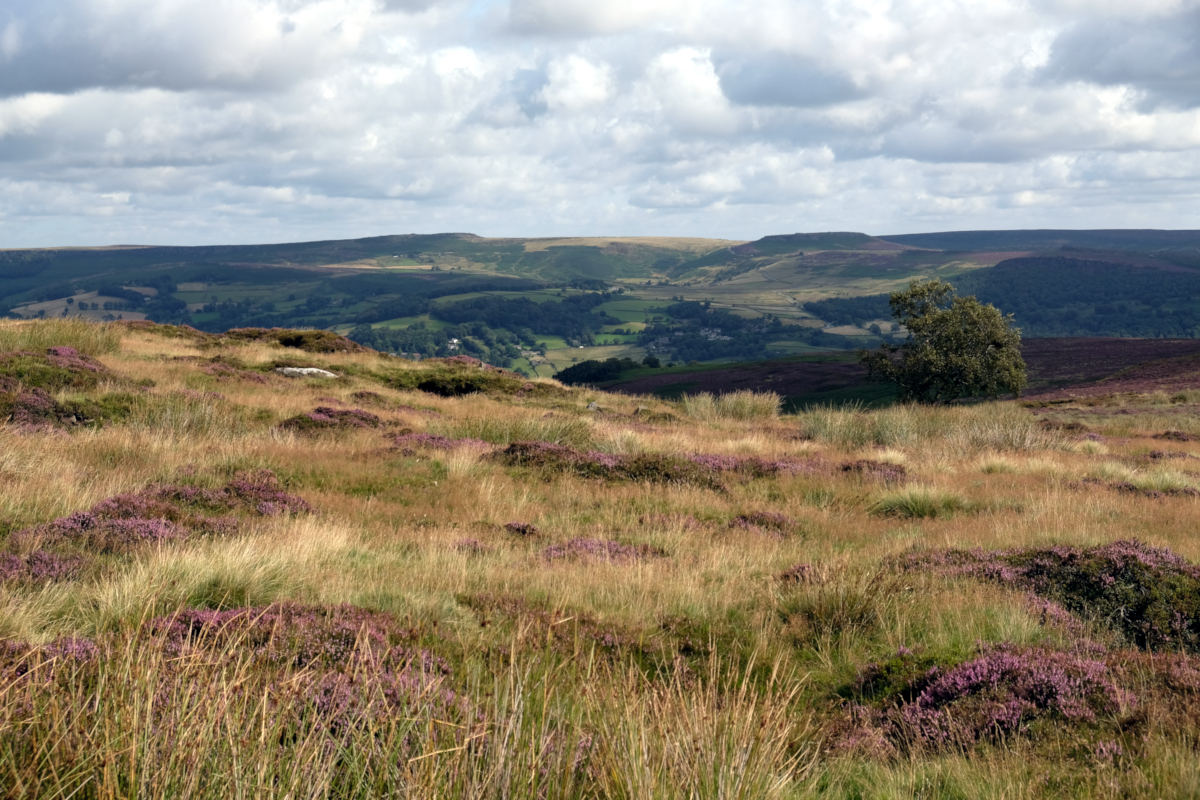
[956,347]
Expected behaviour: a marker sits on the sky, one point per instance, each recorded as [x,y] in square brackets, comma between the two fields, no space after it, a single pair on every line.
[238,121]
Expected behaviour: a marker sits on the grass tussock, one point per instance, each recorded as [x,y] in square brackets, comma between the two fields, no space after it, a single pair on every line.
[504,429]
[919,502]
[989,426]
[89,338]
[741,405]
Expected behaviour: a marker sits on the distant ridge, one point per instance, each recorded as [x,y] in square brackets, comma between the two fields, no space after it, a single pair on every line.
[1141,240]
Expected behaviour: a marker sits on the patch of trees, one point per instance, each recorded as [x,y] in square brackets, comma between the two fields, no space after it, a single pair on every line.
[700,332]
[593,371]
[573,318]
[499,348]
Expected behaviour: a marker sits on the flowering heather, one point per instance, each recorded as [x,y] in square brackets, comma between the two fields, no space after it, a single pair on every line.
[764,522]
[32,408]
[471,546]
[877,470]
[166,513]
[1149,595]
[328,418]
[225,372]
[1000,692]
[646,467]
[72,359]
[1176,436]
[522,528]
[798,573]
[39,567]
[586,549]
[752,466]
[409,443]
[53,370]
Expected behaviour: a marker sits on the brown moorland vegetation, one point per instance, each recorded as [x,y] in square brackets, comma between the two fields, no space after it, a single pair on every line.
[234,583]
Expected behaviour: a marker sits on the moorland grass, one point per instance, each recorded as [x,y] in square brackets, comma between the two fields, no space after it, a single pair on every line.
[698,672]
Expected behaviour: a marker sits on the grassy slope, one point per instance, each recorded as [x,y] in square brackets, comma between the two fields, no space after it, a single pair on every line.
[699,633]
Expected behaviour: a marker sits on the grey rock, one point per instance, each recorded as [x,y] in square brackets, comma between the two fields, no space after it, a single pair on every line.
[304,372]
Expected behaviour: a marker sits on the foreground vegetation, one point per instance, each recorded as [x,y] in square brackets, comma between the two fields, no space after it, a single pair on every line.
[436,579]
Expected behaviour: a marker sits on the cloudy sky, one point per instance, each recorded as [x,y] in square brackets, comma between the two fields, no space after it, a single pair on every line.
[211,121]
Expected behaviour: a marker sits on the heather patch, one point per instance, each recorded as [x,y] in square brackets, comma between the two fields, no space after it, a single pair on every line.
[165,513]
[37,409]
[765,523]
[522,528]
[38,567]
[589,549]
[876,470]
[1176,436]
[337,669]
[1148,595]
[1168,454]
[327,418]
[699,470]
[753,466]
[410,443]
[471,546]
[797,573]
[224,369]
[53,370]
[354,667]
[1004,691]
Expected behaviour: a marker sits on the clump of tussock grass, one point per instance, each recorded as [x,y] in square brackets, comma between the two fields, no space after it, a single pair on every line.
[1162,480]
[743,740]
[919,502]
[182,414]
[833,604]
[89,338]
[990,426]
[505,430]
[740,405]
[1112,471]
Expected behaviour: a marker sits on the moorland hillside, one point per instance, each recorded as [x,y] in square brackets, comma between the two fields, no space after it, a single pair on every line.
[440,579]
[539,306]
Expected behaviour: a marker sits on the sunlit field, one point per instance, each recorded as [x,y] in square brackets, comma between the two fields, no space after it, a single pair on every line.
[436,579]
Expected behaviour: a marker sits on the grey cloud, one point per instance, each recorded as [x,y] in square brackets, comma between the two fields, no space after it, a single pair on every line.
[76,45]
[1160,56]
[408,6]
[782,79]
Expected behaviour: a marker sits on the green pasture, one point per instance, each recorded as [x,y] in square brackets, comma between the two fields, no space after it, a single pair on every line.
[404,322]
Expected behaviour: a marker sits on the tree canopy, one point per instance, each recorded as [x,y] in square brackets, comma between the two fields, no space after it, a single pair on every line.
[957,347]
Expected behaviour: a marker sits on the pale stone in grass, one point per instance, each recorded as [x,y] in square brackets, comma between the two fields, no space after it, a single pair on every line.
[304,372]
